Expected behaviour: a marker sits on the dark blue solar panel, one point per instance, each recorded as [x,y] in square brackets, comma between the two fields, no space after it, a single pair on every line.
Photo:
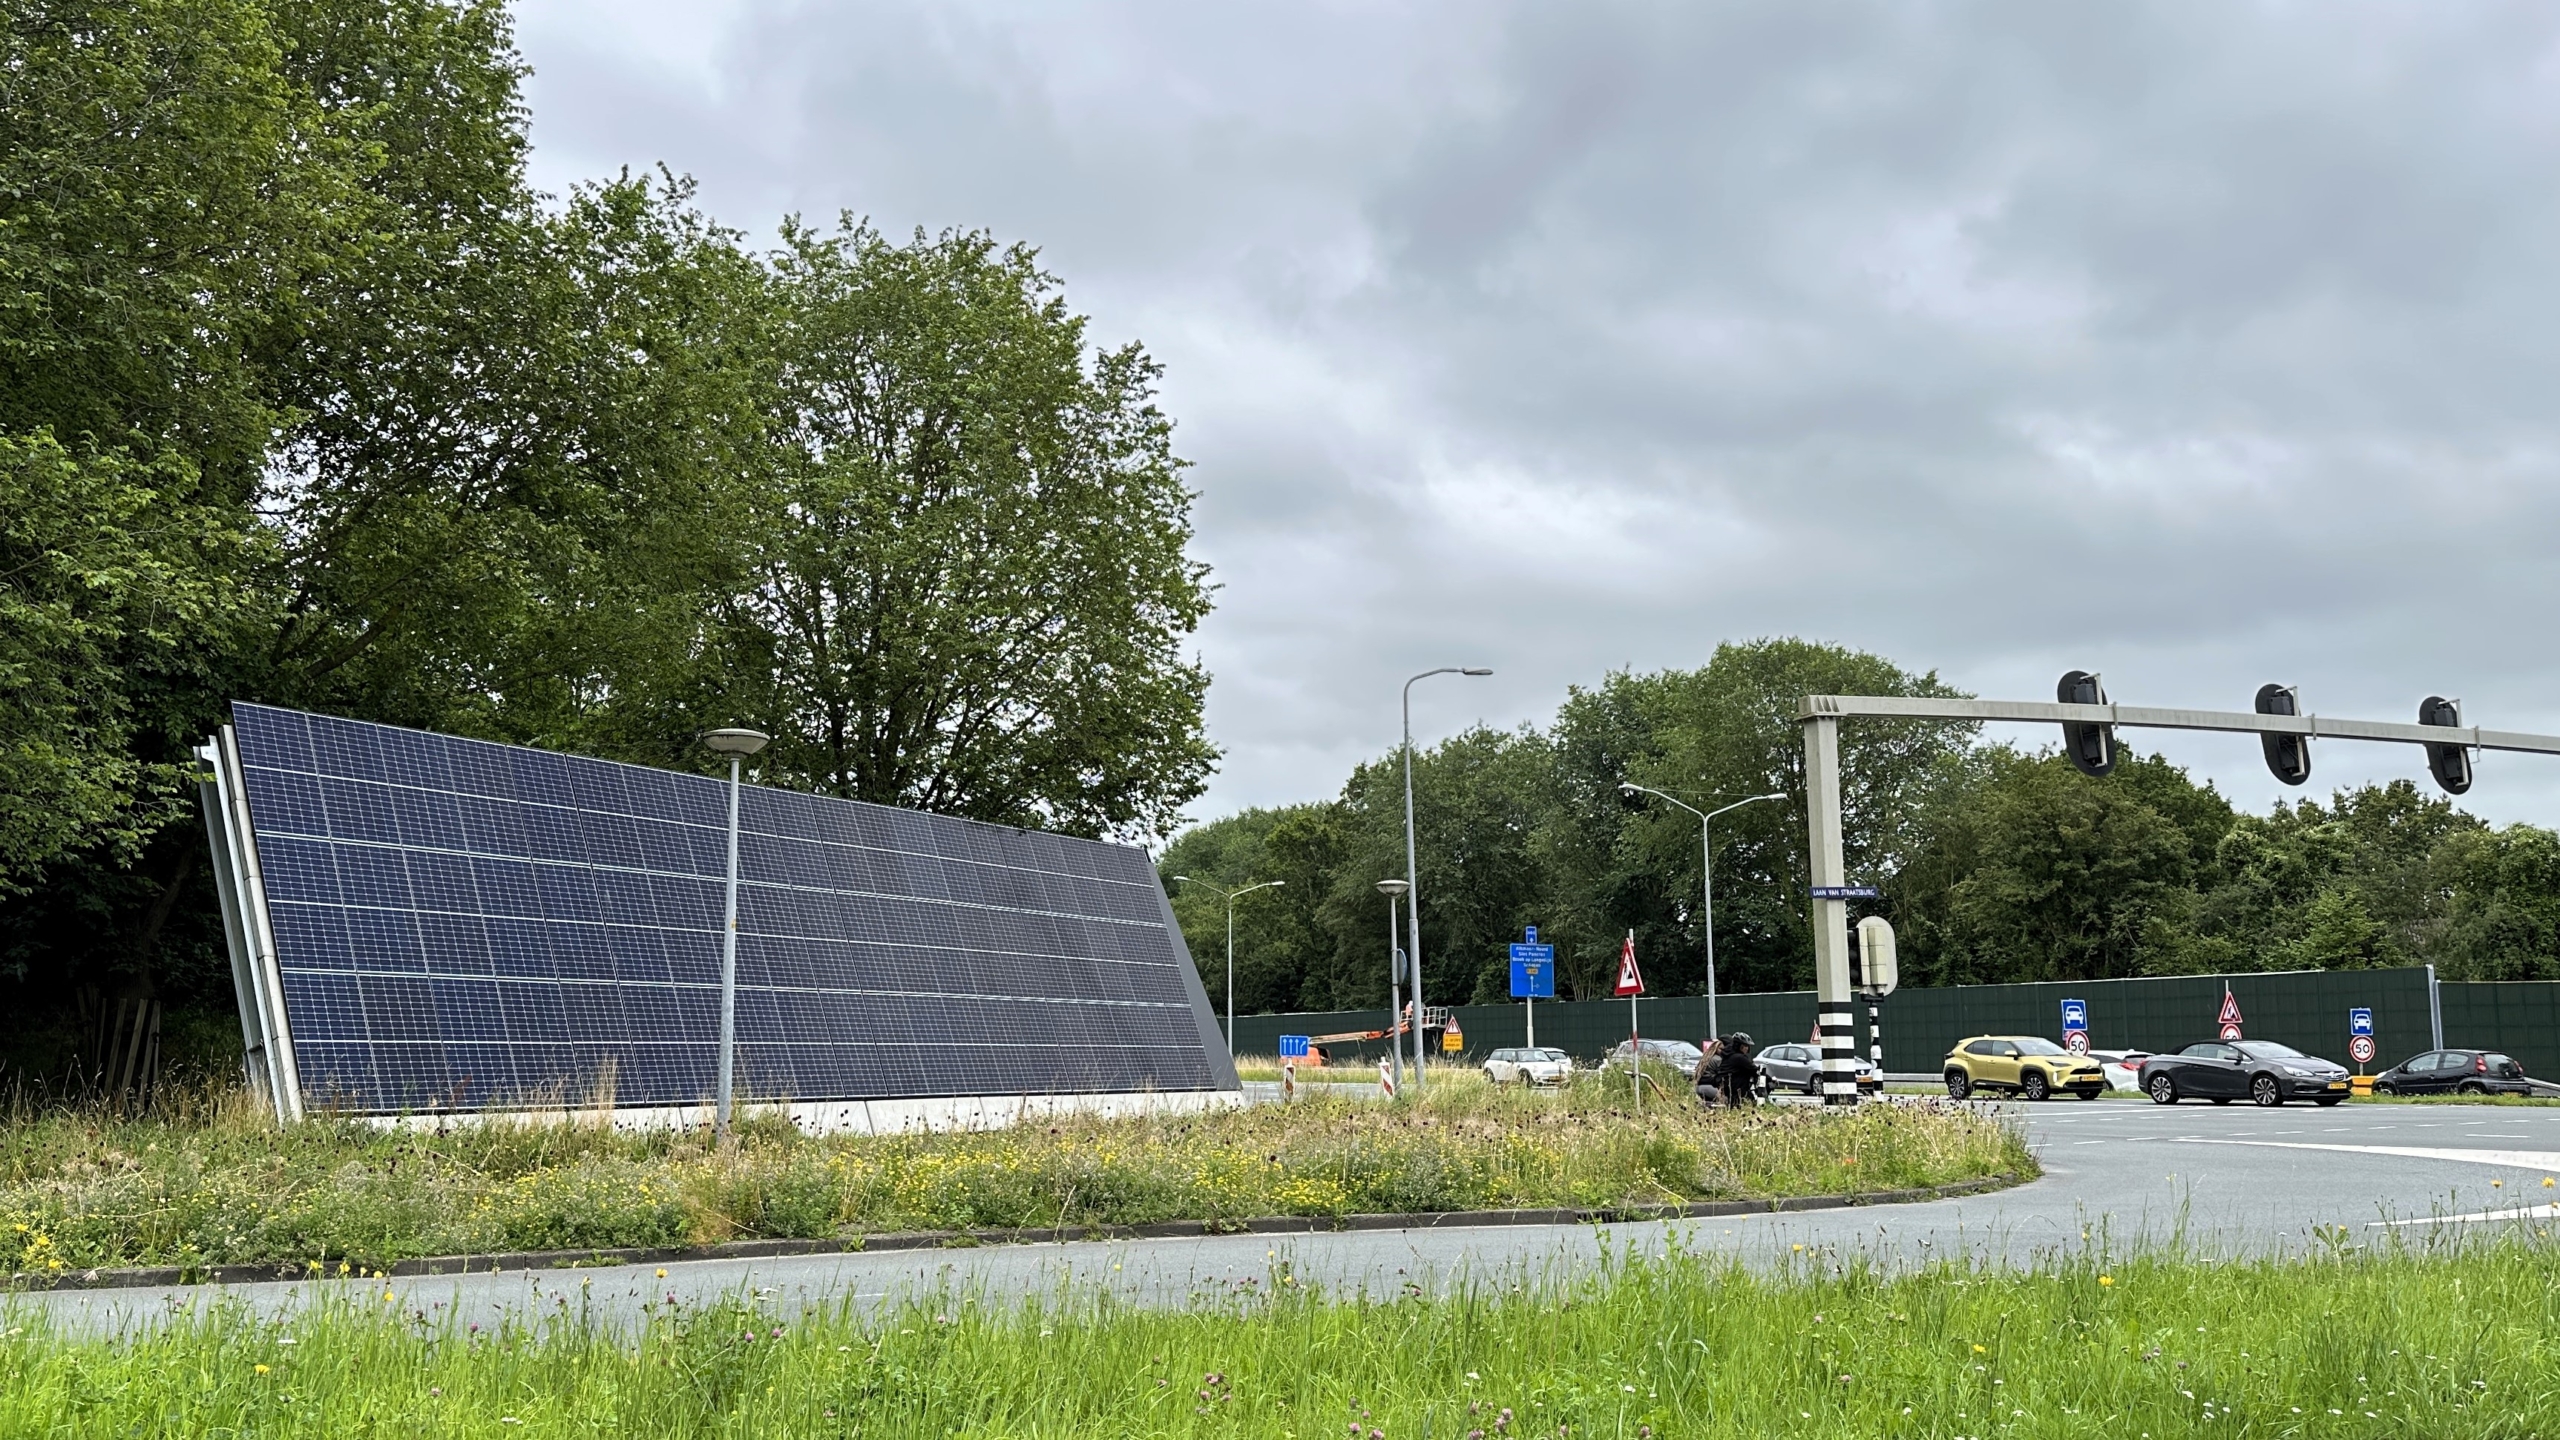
[460,923]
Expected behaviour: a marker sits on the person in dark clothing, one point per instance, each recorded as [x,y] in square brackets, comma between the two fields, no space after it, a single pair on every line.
[1738,1071]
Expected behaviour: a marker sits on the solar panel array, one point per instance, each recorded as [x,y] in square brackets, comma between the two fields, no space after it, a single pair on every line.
[464,924]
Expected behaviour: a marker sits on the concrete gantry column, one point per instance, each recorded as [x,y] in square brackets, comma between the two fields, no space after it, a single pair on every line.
[1830,917]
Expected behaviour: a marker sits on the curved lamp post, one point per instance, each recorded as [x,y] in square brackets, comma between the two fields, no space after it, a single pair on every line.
[1706,868]
[737,745]
[1412,888]
[1231,945]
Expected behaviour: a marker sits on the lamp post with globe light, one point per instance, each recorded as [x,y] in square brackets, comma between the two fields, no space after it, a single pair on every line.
[737,745]
[1393,889]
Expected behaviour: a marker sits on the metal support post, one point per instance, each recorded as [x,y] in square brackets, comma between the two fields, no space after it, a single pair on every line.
[1830,917]
[729,964]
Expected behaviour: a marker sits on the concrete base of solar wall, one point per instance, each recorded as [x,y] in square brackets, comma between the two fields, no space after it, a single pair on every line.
[858,1117]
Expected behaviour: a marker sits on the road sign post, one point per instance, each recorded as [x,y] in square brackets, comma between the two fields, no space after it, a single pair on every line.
[1631,985]
[2075,1026]
[1533,975]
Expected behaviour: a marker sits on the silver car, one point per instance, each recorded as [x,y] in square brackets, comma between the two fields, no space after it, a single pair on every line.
[1799,1067]
[1521,1063]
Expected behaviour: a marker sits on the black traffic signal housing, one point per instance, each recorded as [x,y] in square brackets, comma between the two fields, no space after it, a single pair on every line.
[2092,747]
[2451,763]
[2289,756]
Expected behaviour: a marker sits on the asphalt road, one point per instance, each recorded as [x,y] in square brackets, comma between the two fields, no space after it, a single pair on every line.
[2226,1180]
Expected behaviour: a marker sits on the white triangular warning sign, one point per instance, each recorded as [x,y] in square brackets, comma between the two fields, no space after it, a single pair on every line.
[1630,980]
[2230,1009]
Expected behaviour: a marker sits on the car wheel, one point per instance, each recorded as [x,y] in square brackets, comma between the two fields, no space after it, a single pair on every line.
[2266,1092]
[1813,1083]
[2035,1086]
[2164,1091]
[1959,1085]
[2470,1087]
[2385,1087]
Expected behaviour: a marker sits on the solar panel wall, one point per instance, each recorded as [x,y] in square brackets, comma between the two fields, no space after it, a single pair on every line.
[426,922]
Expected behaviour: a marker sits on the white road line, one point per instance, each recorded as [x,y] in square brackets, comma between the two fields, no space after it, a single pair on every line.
[2530,1212]
[2547,1161]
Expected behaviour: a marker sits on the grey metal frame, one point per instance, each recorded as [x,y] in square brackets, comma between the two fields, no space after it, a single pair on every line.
[268,1057]
[1821,716]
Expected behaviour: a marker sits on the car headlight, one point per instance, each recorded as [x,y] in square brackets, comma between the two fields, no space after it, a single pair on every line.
[2303,1070]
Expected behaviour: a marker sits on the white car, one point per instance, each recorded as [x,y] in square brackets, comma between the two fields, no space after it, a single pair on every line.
[2123,1067]
[1537,1067]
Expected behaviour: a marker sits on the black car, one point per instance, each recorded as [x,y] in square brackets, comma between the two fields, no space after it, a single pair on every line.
[2454,1072]
[2226,1070]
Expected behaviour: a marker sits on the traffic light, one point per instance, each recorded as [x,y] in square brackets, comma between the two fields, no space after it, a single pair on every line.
[2092,747]
[2451,763]
[2289,756]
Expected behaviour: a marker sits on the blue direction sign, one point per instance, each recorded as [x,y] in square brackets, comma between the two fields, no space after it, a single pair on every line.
[1533,969]
[1293,1047]
[1844,892]
[2075,1014]
[2359,1021]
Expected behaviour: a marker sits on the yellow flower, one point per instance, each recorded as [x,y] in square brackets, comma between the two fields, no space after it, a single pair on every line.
[2106,1279]
[1981,1350]
[662,1272]
[262,1369]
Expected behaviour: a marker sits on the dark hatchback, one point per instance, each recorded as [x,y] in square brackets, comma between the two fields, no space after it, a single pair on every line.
[2454,1072]
[2256,1070]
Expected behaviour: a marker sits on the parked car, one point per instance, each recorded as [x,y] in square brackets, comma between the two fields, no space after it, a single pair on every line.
[1520,1063]
[1680,1055]
[2257,1070]
[2454,1072]
[1799,1067]
[2122,1067]
[2028,1065]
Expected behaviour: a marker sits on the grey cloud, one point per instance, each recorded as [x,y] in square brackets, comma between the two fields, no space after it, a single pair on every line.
[2201,345]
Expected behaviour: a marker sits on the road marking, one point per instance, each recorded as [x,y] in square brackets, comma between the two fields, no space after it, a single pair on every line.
[2530,1212]
[2543,1160]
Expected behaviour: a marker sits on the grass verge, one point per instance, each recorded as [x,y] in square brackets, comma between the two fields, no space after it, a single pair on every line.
[2150,1345]
[221,1186]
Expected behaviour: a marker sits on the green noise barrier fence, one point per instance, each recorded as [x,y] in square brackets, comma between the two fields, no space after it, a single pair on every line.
[2306,1009]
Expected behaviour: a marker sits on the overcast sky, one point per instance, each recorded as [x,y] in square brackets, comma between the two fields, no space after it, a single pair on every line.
[2198,345]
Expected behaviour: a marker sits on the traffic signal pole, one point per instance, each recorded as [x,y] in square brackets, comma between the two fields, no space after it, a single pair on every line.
[1830,917]
[1821,716]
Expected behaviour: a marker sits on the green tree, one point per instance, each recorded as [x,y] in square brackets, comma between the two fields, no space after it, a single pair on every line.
[971,591]
[1283,951]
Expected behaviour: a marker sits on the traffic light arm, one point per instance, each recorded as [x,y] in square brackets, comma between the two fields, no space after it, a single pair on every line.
[2036,711]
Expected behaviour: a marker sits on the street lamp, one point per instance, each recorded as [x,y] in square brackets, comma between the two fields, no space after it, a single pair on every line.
[1413,890]
[1231,946]
[1395,972]
[1706,868]
[737,745]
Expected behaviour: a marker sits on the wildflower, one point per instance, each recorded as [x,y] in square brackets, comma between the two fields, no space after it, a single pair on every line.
[262,1369]
[2105,1280]
[662,1272]
[1981,1349]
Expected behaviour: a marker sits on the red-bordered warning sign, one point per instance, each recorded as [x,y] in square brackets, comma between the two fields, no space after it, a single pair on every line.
[2229,1019]
[1630,979]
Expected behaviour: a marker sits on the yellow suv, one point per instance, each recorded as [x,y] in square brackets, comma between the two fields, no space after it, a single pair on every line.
[2028,1065]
